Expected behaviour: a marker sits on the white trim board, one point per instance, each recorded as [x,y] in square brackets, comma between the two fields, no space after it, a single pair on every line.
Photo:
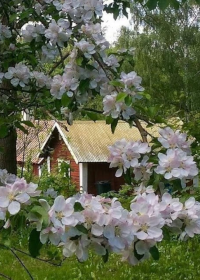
[56,125]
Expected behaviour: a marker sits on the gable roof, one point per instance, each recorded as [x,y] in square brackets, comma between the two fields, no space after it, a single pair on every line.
[88,141]
[29,145]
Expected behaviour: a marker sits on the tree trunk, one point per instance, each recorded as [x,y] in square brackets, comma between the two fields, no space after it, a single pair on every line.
[8,152]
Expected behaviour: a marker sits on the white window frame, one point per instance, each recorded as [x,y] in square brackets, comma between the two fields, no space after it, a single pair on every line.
[83,173]
[40,170]
[49,164]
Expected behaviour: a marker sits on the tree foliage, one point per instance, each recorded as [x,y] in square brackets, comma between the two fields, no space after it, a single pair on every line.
[166,55]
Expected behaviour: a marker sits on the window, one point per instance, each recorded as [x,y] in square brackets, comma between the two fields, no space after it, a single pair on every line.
[64,167]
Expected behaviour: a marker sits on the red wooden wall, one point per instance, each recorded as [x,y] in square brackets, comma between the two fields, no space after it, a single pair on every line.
[60,151]
[100,171]
[97,171]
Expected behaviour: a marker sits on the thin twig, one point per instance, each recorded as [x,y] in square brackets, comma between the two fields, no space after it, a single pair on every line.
[58,63]
[56,120]
[42,260]
[102,66]
[40,2]
[92,110]
[61,55]
[19,260]
[5,276]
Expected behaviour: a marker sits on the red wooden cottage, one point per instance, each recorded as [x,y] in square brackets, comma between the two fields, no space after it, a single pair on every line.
[84,146]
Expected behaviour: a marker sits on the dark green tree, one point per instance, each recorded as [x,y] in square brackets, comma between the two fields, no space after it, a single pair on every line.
[167,55]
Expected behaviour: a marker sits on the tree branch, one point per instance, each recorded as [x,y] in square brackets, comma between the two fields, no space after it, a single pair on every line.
[42,260]
[92,110]
[61,55]
[56,120]
[19,260]
[142,131]
[58,63]
[4,276]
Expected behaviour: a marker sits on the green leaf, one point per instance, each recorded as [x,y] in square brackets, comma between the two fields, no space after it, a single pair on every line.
[34,245]
[159,119]
[6,234]
[146,95]
[156,179]
[116,83]
[78,207]
[114,125]
[84,85]
[128,176]
[13,17]
[175,4]
[116,10]
[105,257]
[138,256]
[18,221]
[152,111]
[57,104]
[166,234]
[75,237]
[93,116]
[128,100]
[3,131]
[90,67]
[21,127]
[163,4]
[65,100]
[124,12]
[26,13]
[154,253]
[28,123]
[121,96]
[152,4]
[82,229]
[109,120]
[40,212]
[79,61]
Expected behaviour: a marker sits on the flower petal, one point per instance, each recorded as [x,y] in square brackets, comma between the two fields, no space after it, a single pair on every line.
[14,207]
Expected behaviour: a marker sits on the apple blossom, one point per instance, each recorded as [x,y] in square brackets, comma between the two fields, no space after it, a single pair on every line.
[19,75]
[32,31]
[4,32]
[59,32]
[125,154]
[174,139]
[131,79]
[14,194]
[176,164]
[87,48]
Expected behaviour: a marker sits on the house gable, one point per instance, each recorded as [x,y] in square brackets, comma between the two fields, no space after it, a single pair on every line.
[58,150]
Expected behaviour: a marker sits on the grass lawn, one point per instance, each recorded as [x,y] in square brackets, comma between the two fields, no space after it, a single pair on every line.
[178,260]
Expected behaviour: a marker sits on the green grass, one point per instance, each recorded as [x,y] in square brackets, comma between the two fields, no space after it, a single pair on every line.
[178,261]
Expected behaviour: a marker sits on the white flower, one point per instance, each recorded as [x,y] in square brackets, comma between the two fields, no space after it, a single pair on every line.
[32,30]
[13,195]
[4,32]
[19,75]
[41,79]
[176,164]
[87,48]
[131,79]
[59,32]
[174,139]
